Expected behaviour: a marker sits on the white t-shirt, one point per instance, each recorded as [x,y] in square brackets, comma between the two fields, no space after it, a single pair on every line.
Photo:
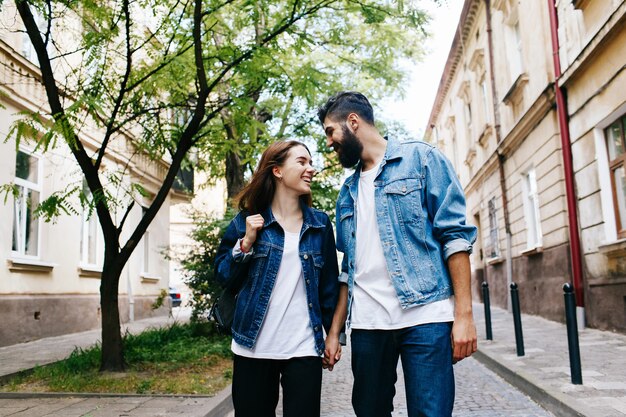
[286,331]
[375,304]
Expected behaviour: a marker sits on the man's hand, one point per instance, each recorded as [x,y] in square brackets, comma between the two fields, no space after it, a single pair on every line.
[332,353]
[464,340]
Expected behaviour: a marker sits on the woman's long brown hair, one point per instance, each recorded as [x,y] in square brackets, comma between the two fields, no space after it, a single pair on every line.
[259,193]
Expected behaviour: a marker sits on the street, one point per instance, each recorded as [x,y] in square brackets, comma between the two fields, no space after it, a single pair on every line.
[479,392]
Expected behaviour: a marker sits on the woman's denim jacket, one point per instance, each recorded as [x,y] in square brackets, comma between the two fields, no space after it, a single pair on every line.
[420,209]
[255,272]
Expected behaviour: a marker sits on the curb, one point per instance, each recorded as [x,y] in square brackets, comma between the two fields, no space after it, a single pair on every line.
[223,403]
[24,395]
[518,379]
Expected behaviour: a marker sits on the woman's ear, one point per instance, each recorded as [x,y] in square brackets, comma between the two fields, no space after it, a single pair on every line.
[277,173]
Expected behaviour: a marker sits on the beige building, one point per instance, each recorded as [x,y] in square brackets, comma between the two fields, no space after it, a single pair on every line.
[592,43]
[50,273]
[496,117]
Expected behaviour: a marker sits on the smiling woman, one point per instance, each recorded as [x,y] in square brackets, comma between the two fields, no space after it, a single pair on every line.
[278,255]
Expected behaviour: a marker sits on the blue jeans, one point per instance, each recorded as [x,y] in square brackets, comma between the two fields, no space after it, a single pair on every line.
[426,354]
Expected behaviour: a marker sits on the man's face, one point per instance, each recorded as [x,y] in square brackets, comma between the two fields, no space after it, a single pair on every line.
[344,143]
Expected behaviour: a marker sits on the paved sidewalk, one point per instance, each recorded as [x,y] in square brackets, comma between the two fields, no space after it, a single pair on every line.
[25,356]
[543,372]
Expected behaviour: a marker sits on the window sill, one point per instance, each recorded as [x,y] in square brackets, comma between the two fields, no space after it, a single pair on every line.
[148,278]
[580,4]
[29,265]
[483,139]
[613,249]
[495,261]
[516,89]
[90,271]
[532,251]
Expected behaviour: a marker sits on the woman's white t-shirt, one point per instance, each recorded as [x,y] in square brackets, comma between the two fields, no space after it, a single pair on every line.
[286,331]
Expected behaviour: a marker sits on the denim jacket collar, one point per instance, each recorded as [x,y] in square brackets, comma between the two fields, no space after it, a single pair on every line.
[392,152]
[308,217]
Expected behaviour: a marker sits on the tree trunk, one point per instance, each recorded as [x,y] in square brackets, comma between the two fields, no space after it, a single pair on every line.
[234,176]
[112,346]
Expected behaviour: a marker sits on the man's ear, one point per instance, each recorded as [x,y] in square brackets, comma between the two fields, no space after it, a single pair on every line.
[353,121]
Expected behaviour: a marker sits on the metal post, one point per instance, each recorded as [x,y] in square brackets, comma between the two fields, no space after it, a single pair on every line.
[572,334]
[487,305]
[517,320]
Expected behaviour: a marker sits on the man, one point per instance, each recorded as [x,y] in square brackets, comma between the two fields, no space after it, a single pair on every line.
[401,226]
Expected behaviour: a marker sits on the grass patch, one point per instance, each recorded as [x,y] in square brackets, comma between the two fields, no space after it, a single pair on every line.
[179,359]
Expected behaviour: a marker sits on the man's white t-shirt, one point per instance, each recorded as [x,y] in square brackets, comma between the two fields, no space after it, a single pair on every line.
[286,331]
[375,304]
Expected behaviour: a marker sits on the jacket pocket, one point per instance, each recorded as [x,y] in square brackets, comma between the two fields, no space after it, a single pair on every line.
[259,261]
[404,200]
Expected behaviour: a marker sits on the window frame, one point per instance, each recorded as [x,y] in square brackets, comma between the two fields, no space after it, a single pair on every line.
[532,216]
[494,233]
[145,250]
[98,239]
[24,185]
[613,165]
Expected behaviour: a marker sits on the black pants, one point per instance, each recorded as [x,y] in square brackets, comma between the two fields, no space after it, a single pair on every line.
[255,386]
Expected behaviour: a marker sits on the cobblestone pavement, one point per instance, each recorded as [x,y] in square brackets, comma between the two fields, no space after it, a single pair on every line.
[543,373]
[479,392]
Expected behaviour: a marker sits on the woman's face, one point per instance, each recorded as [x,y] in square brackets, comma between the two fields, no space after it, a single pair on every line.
[296,172]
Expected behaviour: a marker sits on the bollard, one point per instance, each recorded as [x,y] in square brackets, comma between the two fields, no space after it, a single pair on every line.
[517,320]
[572,334]
[487,305]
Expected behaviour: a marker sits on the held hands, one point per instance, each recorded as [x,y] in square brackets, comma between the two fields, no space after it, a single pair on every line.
[332,353]
[254,223]
[464,340]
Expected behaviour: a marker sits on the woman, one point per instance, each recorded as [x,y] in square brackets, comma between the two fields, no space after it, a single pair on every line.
[281,254]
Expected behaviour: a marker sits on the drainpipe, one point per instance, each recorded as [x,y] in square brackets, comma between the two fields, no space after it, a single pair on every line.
[501,158]
[561,108]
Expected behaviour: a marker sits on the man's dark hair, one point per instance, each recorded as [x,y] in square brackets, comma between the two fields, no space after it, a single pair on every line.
[339,106]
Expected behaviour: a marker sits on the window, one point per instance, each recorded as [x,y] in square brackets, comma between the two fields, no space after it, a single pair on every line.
[493,249]
[28,51]
[616,146]
[485,100]
[91,235]
[25,224]
[468,121]
[531,210]
[514,52]
[145,265]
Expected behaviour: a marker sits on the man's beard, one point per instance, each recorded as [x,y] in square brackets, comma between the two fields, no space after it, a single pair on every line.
[350,150]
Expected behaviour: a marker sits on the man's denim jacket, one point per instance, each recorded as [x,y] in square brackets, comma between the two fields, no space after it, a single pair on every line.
[255,272]
[420,209]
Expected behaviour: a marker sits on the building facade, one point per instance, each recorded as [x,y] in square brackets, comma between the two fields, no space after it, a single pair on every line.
[496,117]
[50,273]
[592,37]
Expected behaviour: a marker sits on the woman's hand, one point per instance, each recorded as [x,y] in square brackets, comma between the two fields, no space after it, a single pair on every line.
[332,353]
[254,223]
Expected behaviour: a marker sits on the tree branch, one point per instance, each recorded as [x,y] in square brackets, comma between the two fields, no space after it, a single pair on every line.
[58,113]
[120,97]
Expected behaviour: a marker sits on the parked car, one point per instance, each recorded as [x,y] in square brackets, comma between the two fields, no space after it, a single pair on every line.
[175,297]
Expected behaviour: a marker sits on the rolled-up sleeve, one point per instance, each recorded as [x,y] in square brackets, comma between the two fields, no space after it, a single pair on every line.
[230,262]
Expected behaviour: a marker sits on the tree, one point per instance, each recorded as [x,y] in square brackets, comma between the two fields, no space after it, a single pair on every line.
[160,77]
[349,46]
